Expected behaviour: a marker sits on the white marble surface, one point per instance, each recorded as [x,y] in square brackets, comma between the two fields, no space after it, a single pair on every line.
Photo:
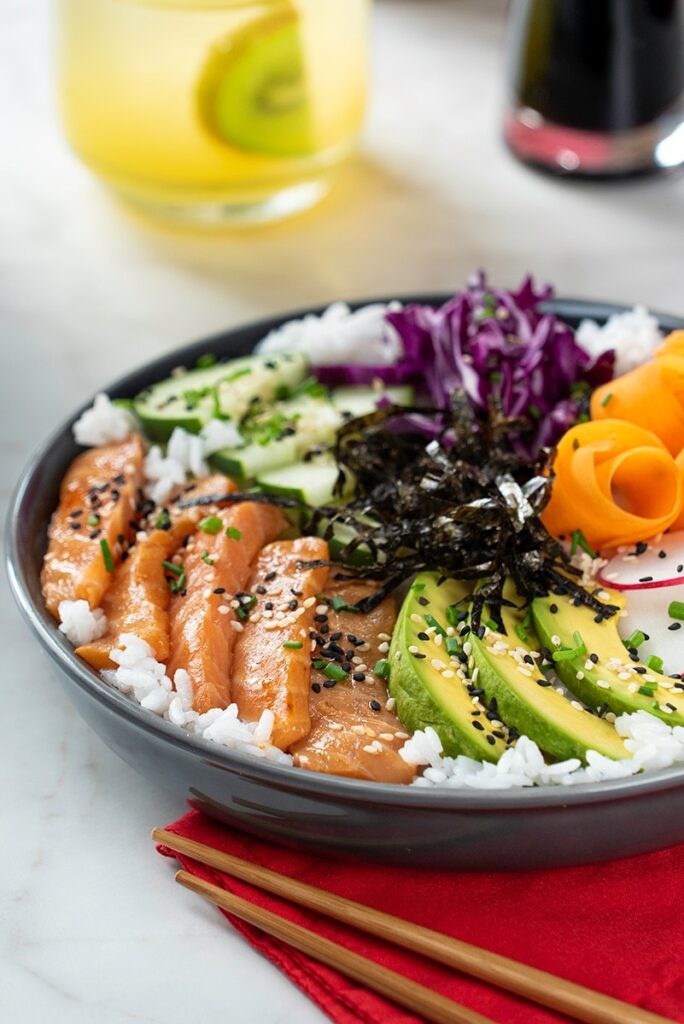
[91,925]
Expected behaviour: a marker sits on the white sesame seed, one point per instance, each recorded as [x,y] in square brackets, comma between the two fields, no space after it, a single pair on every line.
[383,647]
[467,648]
[237,626]
[390,704]
[359,729]
[224,610]
[632,688]
[309,602]
[576,705]
[401,735]
[555,640]
[321,609]
[384,636]
[524,671]
[580,675]
[387,736]
[448,674]
[336,726]
[664,707]
[413,649]
[415,618]
[436,663]
[603,684]
[609,716]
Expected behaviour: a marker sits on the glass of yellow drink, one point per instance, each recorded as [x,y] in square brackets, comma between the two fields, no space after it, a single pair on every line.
[213,111]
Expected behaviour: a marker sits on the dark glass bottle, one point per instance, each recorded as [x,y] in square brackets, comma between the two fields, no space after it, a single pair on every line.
[597,86]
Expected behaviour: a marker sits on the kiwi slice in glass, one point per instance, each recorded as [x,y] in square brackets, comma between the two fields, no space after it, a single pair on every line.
[253,91]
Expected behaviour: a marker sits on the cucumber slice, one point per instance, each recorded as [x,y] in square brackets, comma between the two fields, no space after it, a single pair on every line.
[311,482]
[190,399]
[360,401]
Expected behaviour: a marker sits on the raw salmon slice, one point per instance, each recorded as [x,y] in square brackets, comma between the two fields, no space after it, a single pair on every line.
[272,662]
[138,599]
[352,731]
[203,623]
[94,520]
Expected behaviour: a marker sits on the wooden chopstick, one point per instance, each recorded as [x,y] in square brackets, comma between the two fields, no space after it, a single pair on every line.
[409,994]
[556,993]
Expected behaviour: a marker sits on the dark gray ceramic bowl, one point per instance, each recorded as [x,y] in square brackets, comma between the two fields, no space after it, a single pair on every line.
[413,826]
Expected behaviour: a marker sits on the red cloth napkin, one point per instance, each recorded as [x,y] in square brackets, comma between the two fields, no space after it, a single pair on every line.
[617,928]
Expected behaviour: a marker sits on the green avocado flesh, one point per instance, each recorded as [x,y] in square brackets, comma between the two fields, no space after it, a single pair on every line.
[430,686]
[509,665]
[614,679]
[253,91]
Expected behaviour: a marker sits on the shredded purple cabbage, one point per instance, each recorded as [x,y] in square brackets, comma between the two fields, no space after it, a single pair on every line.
[498,347]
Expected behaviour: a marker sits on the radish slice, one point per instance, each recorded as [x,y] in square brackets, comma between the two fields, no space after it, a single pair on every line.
[650,582]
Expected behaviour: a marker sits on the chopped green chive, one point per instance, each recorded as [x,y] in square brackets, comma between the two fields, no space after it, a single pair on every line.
[244,607]
[491,624]
[233,533]
[208,359]
[569,653]
[382,668]
[579,642]
[534,411]
[338,603]
[106,555]
[432,621]
[580,541]
[636,639]
[606,400]
[452,615]
[655,663]
[293,645]
[676,610]
[418,587]
[212,524]
[175,570]
[93,520]
[521,631]
[207,559]
[319,663]
[452,645]
[648,689]
[333,671]
[163,520]
[244,372]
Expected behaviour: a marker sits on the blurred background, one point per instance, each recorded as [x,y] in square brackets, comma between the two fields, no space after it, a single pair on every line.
[91,286]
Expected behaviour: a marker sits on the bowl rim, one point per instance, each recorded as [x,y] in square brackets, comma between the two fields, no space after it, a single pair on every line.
[288,777]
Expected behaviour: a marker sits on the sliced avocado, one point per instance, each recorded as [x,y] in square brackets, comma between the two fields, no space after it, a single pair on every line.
[432,686]
[605,674]
[510,673]
[253,90]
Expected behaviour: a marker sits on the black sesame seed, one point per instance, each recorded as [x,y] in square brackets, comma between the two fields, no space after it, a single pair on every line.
[346,665]
[324,630]
[662,554]
[598,618]
[641,548]
[219,590]
[375,705]
[645,579]
[359,677]
[499,734]
[491,740]
[316,687]
[95,534]
[475,714]
[674,625]
[268,605]
[477,692]
[329,683]
[542,682]
[76,513]
[478,725]
[353,639]
[528,659]
[423,601]
[320,618]
[335,636]
[270,576]
[423,636]
[297,593]
[481,633]
[680,568]
[294,603]
[419,656]
[640,670]
[260,589]
[75,526]
[672,707]
[553,608]
[594,658]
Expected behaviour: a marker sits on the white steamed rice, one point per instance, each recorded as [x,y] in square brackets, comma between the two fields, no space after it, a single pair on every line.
[102,423]
[652,743]
[186,454]
[79,624]
[634,335]
[144,679]
[339,335]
